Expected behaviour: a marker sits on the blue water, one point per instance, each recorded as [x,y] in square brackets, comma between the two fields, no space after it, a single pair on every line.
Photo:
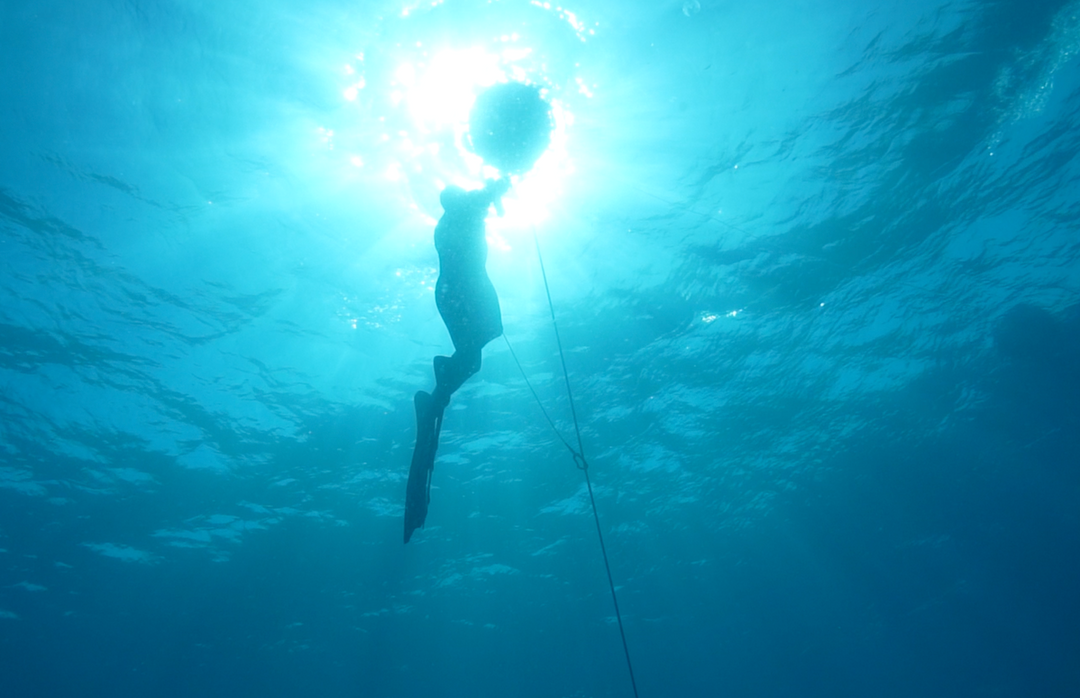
[816,269]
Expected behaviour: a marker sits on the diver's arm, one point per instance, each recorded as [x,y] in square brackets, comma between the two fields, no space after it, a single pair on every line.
[457,201]
[495,189]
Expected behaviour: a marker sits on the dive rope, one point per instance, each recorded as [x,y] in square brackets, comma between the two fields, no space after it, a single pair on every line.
[578,455]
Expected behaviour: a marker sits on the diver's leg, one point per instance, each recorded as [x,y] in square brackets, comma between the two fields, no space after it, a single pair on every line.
[452,371]
[418,489]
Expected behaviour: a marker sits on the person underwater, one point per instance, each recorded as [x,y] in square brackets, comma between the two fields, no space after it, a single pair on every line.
[469,307]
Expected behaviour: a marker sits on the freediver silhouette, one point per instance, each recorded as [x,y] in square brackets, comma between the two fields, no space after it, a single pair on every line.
[469,307]
[509,127]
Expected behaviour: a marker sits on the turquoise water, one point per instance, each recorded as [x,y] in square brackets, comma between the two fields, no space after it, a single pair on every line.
[816,271]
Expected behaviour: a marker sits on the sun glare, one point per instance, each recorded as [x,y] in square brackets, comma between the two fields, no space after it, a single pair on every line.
[437,94]
[415,105]
[440,94]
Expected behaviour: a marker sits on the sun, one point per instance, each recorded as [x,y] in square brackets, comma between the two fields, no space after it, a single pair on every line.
[440,92]
[410,101]
[437,96]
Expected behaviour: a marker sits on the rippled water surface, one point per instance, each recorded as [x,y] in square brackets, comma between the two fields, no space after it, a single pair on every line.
[816,269]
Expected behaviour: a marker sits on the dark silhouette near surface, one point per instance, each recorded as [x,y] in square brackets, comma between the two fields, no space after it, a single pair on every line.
[510,126]
[469,307]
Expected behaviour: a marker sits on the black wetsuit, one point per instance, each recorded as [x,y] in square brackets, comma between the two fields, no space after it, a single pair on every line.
[464,294]
[470,309]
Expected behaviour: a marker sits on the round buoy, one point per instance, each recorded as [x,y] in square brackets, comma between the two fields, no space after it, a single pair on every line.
[510,126]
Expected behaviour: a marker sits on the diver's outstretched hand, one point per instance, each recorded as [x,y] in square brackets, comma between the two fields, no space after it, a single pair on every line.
[496,188]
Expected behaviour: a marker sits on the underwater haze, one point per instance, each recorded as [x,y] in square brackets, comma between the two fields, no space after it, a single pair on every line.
[816,273]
